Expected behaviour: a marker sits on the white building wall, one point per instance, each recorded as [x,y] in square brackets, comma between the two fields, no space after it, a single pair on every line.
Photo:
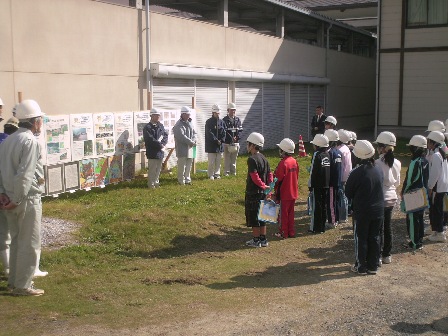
[389,89]
[426,37]
[390,24]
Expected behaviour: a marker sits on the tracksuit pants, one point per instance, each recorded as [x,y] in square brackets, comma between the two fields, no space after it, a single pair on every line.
[436,211]
[367,242]
[386,233]
[332,205]
[319,215]
[416,227]
[287,218]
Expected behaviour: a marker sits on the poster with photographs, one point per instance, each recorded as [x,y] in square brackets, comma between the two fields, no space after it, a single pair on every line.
[57,138]
[101,172]
[71,176]
[124,133]
[103,125]
[115,169]
[82,135]
[55,179]
[141,118]
[87,173]
[169,119]
[128,166]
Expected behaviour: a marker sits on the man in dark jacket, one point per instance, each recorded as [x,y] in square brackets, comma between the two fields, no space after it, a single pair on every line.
[318,122]
[215,135]
[319,183]
[156,139]
[365,188]
[233,135]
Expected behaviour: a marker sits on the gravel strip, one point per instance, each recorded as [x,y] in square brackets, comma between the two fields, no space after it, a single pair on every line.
[58,233]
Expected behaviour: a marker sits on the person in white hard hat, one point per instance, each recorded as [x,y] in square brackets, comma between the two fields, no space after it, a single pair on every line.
[365,188]
[391,168]
[21,185]
[231,144]
[344,140]
[437,185]
[335,189]
[286,187]
[330,123]
[215,135]
[259,178]
[185,140]
[319,183]
[416,178]
[156,138]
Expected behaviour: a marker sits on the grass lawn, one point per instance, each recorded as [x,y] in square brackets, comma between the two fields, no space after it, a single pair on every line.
[145,256]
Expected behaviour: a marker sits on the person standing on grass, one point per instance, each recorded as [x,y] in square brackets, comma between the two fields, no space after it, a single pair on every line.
[318,122]
[233,135]
[335,179]
[185,140]
[287,187]
[156,139]
[319,183]
[215,135]
[416,178]
[259,177]
[437,185]
[391,168]
[21,186]
[365,188]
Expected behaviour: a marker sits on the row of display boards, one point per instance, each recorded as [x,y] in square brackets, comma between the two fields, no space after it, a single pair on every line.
[81,151]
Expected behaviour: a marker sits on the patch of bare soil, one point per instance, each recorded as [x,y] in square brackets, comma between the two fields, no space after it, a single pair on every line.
[318,295]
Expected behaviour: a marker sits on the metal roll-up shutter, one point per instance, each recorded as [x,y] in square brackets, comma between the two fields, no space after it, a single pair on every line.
[316,98]
[299,120]
[172,94]
[249,102]
[208,92]
[273,114]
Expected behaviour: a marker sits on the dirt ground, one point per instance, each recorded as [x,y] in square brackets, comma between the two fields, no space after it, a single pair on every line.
[318,295]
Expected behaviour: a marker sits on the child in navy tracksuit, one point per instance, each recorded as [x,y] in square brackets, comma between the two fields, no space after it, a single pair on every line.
[335,178]
[319,183]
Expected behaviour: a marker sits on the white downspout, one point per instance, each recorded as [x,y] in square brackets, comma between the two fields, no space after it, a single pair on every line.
[326,63]
[148,70]
[377,69]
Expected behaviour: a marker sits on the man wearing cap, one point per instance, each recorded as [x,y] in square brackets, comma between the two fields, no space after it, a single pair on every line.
[21,186]
[318,122]
[215,135]
[156,139]
[10,127]
[185,140]
[233,135]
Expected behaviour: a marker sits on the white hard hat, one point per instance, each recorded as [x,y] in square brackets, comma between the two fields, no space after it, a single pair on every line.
[436,136]
[332,135]
[354,136]
[1,102]
[344,136]
[13,121]
[154,111]
[185,109]
[436,125]
[418,141]
[331,120]
[256,139]
[320,140]
[231,106]
[216,108]
[363,149]
[232,148]
[28,109]
[386,138]
[287,145]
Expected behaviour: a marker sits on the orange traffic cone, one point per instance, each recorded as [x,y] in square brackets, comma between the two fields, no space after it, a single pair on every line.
[302,151]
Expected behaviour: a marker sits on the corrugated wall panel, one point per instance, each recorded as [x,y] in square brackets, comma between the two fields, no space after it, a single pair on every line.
[249,103]
[273,114]
[299,120]
[208,92]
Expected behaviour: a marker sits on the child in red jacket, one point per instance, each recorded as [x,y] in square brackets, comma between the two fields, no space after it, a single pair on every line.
[286,187]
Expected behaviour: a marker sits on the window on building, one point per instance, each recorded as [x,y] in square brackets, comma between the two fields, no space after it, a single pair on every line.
[427,12]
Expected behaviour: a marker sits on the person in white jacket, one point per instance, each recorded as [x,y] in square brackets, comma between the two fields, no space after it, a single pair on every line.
[437,185]
[391,167]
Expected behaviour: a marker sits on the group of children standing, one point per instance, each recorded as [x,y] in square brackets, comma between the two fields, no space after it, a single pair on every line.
[343,170]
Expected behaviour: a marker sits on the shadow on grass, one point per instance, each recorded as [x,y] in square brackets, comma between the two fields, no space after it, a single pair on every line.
[330,264]
[440,325]
[184,245]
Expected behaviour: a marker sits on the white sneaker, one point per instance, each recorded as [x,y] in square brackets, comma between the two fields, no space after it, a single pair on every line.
[387,260]
[39,273]
[428,230]
[211,177]
[28,291]
[438,237]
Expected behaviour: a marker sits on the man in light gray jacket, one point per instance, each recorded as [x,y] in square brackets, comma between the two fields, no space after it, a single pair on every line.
[21,186]
[185,140]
